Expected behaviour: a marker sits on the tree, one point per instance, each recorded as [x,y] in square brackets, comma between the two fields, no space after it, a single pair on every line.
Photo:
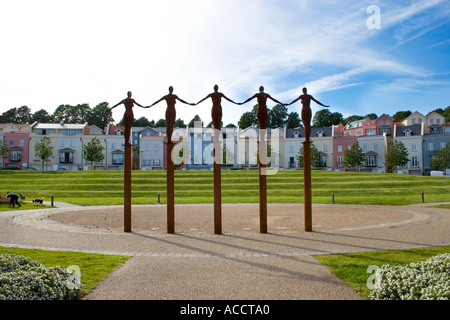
[141,122]
[399,116]
[293,121]
[160,123]
[44,150]
[4,150]
[372,116]
[179,123]
[248,119]
[314,154]
[353,118]
[324,118]
[23,115]
[9,116]
[354,157]
[230,125]
[278,116]
[73,114]
[397,156]
[42,116]
[101,115]
[441,158]
[196,118]
[93,151]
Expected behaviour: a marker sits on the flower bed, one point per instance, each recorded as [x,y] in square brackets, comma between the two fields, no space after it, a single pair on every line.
[24,279]
[428,280]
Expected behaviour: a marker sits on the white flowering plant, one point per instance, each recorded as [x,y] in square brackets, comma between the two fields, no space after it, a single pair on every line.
[25,279]
[427,280]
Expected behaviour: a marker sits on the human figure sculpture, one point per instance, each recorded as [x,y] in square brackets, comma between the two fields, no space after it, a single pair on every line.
[261,112]
[216,111]
[128,117]
[171,113]
[306,113]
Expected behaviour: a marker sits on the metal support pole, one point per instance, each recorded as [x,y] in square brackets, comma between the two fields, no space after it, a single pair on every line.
[52,201]
[127,189]
[159,197]
[262,149]
[170,190]
[217,185]
[423,198]
[307,184]
[332,196]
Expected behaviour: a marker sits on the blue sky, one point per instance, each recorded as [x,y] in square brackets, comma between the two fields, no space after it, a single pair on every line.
[71,52]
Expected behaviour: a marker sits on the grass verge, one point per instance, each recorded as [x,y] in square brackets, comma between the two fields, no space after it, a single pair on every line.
[94,267]
[352,268]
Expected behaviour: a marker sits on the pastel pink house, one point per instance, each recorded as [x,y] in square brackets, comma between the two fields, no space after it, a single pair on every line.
[16,139]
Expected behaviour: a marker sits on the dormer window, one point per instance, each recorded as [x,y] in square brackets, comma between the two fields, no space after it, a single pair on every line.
[407,133]
[320,134]
[118,132]
[296,135]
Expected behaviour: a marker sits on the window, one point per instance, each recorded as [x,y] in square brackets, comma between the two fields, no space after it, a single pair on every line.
[296,135]
[61,143]
[387,122]
[371,161]
[413,147]
[447,129]
[438,121]
[21,142]
[340,161]
[365,147]
[413,120]
[147,147]
[420,120]
[118,132]
[68,132]
[320,134]
[43,132]
[11,142]
[325,147]
[291,148]
[66,157]
[370,132]
[430,146]
[385,130]
[117,158]
[414,162]
[156,146]
[442,145]
[339,148]
[431,121]
[407,133]
[375,146]
[15,155]
[381,122]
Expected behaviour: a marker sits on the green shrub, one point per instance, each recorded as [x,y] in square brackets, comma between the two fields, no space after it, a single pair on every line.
[427,280]
[24,279]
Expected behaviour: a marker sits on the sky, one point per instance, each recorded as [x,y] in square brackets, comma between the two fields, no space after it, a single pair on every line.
[356,56]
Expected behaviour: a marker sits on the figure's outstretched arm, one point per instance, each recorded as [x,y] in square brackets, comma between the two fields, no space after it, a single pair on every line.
[319,102]
[181,100]
[139,104]
[203,99]
[294,101]
[275,100]
[117,104]
[156,102]
[225,97]
[249,99]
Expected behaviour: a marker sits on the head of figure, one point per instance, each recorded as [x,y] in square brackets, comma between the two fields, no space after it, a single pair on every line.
[129,94]
[304,90]
[261,89]
[216,87]
[170,89]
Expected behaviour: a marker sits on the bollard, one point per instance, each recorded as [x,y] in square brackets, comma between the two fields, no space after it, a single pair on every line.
[52,201]
[332,196]
[423,199]
[159,201]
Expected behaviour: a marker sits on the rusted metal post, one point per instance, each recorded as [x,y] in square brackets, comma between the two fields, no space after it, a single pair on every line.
[262,149]
[217,185]
[127,189]
[170,171]
[307,184]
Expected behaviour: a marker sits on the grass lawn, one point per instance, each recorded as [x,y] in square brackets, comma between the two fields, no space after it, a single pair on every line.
[24,206]
[240,186]
[353,267]
[94,267]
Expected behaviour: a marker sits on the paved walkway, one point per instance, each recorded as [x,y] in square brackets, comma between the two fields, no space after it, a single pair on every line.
[237,265]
